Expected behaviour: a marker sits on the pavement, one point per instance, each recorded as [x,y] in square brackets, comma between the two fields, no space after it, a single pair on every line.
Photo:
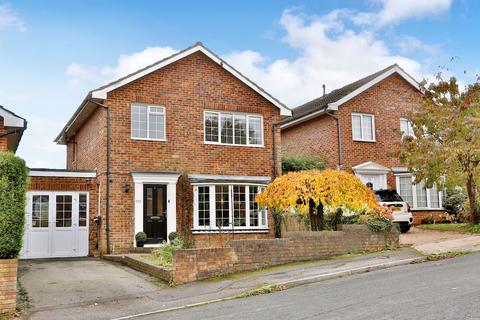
[437,242]
[440,290]
[91,288]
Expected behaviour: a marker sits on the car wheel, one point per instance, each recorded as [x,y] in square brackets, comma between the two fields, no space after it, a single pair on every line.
[404,227]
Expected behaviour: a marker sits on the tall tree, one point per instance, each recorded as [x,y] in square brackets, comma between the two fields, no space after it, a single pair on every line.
[446,141]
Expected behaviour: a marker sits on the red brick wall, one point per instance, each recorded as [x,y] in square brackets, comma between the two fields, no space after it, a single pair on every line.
[316,137]
[244,255]
[87,149]
[73,184]
[389,100]
[185,88]
[8,286]
[3,140]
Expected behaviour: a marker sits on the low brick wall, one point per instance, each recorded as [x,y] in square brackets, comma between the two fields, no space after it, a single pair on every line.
[244,255]
[137,262]
[418,216]
[8,286]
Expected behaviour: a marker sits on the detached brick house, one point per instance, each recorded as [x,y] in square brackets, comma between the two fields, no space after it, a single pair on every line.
[358,127]
[182,145]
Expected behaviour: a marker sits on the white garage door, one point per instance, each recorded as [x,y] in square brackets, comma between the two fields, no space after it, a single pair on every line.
[56,225]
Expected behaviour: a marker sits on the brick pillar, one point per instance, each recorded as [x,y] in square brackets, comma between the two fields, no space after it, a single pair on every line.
[8,286]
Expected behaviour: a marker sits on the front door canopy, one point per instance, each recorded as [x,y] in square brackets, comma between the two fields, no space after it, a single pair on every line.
[371,167]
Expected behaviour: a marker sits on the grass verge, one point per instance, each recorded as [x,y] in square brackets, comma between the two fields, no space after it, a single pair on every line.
[456,227]
[446,255]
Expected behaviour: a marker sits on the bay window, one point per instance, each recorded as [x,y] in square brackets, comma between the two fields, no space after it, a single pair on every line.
[233,128]
[228,207]
[417,195]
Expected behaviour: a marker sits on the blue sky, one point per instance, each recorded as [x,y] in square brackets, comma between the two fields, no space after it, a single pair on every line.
[53,52]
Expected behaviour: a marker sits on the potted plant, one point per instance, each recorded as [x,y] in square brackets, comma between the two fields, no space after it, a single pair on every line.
[140,237]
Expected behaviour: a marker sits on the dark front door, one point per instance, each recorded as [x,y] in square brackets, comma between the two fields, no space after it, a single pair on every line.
[155,212]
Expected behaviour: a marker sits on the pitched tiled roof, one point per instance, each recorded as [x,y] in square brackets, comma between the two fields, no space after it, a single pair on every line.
[334,96]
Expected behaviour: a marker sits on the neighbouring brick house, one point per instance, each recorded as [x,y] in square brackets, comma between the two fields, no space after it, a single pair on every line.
[358,127]
[182,145]
[11,130]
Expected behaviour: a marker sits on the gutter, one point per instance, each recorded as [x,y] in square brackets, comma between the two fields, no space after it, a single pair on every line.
[107,190]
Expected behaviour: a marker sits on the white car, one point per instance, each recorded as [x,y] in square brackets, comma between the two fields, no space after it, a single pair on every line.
[401,210]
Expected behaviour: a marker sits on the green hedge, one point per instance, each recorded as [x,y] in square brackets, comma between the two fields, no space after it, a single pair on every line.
[300,163]
[13,188]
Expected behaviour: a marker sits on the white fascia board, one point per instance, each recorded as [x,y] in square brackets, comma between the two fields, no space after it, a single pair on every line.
[370,84]
[102,93]
[10,120]
[61,174]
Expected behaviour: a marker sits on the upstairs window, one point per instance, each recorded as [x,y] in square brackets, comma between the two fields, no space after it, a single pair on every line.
[406,127]
[363,127]
[232,128]
[148,122]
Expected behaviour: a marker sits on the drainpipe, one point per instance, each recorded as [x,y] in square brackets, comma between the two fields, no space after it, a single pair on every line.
[274,148]
[107,186]
[339,139]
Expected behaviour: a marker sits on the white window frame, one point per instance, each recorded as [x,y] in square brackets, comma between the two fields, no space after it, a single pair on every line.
[362,115]
[233,114]
[148,106]
[414,194]
[263,227]
[409,128]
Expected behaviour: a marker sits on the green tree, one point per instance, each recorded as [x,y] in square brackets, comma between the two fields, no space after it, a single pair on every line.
[446,141]
[300,163]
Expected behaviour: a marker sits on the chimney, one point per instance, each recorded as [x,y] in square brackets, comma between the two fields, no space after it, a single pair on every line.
[324,88]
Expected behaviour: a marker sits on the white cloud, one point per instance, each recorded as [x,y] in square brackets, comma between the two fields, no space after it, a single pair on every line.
[9,19]
[329,53]
[37,146]
[395,11]
[409,44]
[82,74]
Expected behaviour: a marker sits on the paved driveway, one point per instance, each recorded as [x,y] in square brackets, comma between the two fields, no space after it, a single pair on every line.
[56,284]
[434,242]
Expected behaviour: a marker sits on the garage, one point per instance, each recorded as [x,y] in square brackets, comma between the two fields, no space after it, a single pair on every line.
[57,222]
[56,225]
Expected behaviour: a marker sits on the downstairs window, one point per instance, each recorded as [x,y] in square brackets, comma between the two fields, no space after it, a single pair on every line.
[228,207]
[417,195]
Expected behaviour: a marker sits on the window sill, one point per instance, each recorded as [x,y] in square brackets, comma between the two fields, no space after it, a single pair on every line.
[360,140]
[147,139]
[244,230]
[234,145]
[427,209]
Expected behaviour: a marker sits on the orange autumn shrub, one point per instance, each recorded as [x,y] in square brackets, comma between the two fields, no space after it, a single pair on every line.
[333,188]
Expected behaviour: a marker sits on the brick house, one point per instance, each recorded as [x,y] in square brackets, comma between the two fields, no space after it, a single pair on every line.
[358,128]
[182,145]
